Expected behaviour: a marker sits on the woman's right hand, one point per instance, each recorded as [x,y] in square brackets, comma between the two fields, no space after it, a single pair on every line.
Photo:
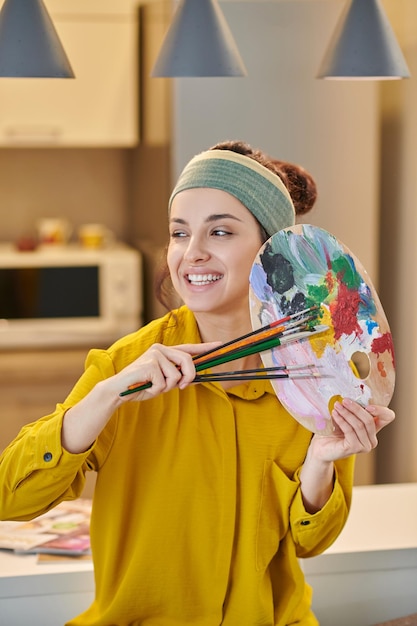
[164,367]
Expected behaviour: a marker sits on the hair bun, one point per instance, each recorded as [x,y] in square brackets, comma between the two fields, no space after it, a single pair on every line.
[300,184]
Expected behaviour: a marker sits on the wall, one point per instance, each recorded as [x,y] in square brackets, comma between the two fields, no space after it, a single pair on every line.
[397,458]
[360,147]
[331,128]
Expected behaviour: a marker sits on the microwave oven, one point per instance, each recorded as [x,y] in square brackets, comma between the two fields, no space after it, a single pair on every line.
[68,295]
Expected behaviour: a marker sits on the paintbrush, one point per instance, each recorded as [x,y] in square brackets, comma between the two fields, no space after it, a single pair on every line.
[304,316]
[273,368]
[232,353]
[261,373]
[212,378]
[258,345]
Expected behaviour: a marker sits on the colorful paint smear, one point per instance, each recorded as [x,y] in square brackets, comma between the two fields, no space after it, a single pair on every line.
[307,266]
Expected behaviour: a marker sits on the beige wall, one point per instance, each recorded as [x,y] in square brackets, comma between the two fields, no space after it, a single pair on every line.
[386,242]
[397,453]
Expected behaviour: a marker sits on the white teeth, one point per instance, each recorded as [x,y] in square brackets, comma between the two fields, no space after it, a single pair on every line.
[203,279]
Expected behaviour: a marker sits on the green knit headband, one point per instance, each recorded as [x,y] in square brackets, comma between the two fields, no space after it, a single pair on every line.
[255,186]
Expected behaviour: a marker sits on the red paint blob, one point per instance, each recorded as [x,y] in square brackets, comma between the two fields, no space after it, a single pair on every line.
[384,344]
[344,312]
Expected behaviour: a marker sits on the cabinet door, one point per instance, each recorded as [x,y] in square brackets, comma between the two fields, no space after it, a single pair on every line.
[31,383]
[89,7]
[97,108]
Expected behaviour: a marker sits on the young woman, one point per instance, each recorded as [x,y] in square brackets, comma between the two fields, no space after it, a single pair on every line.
[206,494]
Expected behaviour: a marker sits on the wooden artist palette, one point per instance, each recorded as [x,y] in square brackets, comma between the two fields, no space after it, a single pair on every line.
[305,266]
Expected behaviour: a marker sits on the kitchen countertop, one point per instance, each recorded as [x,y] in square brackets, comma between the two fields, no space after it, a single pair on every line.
[368,575]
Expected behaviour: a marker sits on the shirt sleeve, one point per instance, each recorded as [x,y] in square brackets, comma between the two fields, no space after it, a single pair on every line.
[36,472]
[315,532]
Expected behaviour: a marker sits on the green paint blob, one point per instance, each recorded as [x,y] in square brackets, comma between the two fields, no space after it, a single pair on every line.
[343,267]
[316,294]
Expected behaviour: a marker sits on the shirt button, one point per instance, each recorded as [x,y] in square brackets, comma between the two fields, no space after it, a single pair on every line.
[305,522]
[47,457]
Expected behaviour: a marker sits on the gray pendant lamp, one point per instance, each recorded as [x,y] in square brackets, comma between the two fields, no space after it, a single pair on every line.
[363,46]
[198,43]
[29,44]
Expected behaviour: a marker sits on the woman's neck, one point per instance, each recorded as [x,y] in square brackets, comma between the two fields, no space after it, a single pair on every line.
[225,329]
[222,327]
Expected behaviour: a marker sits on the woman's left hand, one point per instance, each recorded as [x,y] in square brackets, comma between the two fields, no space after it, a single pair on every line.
[356,430]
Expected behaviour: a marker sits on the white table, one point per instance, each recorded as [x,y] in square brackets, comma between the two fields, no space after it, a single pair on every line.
[369,575]
[43,594]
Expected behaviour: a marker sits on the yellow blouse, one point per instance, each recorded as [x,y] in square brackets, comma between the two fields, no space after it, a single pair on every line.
[197,516]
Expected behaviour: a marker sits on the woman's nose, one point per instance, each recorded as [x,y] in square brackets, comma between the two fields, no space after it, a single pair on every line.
[196,251]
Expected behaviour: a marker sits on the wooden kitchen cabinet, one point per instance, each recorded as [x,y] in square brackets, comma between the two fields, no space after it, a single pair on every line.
[99,108]
[31,384]
[155,18]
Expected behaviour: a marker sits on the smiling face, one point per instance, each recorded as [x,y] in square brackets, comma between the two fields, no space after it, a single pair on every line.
[213,242]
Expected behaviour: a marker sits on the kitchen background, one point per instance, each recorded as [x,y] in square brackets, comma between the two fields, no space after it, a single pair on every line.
[107,147]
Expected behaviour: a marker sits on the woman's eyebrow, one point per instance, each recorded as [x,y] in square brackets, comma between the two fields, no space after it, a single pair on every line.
[221,216]
[214,217]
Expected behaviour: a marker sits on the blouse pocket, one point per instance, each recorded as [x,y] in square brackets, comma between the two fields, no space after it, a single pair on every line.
[277,493]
